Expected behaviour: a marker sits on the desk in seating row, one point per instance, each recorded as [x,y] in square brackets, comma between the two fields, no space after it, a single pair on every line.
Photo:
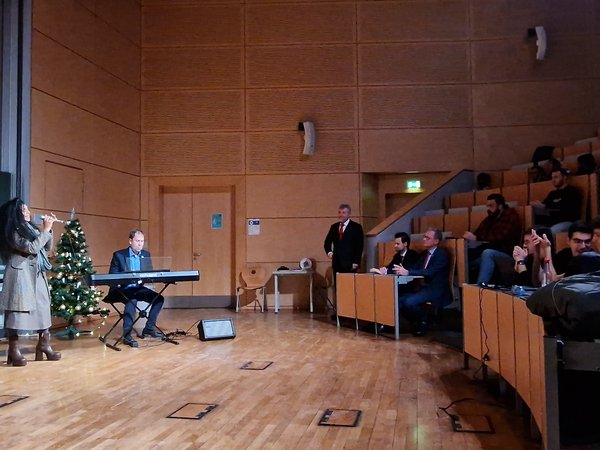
[501,332]
[370,297]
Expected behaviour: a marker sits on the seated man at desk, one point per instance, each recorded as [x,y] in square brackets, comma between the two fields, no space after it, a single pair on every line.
[500,231]
[403,256]
[130,260]
[434,266]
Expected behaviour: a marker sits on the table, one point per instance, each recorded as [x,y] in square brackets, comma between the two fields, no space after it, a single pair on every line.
[371,298]
[305,272]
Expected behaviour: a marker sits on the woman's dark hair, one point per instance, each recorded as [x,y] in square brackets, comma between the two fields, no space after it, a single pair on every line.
[11,221]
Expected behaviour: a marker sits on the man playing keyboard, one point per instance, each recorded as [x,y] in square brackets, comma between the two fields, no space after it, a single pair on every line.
[131,259]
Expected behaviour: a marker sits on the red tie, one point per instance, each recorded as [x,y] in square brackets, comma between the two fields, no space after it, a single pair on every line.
[426,260]
[341,231]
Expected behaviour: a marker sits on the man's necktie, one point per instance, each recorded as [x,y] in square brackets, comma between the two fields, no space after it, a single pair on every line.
[427,256]
[341,231]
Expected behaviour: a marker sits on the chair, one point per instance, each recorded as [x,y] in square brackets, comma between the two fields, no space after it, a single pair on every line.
[252,279]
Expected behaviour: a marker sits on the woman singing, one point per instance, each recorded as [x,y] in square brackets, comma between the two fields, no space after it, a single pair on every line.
[25,297]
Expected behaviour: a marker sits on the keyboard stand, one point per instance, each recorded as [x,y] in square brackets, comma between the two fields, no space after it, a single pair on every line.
[141,313]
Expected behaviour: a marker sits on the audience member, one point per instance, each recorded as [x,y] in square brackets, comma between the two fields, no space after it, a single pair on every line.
[500,231]
[586,164]
[434,266]
[561,207]
[580,240]
[533,262]
[544,171]
[404,255]
[484,181]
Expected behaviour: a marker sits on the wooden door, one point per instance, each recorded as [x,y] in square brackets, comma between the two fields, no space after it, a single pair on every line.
[195,238]
[212,236]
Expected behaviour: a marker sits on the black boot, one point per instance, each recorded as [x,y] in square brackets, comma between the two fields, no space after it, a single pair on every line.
[14,354]
[43,347]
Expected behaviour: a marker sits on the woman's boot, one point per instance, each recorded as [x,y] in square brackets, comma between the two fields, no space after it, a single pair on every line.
[14,356]
[43,346]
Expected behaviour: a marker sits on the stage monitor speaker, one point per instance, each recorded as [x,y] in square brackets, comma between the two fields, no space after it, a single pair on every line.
[213,329]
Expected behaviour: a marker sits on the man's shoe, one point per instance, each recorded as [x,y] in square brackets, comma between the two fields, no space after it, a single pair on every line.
[128,340]
[152,333]
[421,329]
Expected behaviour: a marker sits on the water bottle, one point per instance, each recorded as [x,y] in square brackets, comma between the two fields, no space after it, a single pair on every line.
[545,274]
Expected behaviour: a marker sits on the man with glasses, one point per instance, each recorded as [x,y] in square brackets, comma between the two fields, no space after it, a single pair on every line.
[580,242]
[434,266]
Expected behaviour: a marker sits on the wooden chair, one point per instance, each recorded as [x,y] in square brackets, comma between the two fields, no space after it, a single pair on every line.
[515,177]
[253,279]
[576,149]
[481,196]
[456,221]
[517,192]
[432,219]
[462,200]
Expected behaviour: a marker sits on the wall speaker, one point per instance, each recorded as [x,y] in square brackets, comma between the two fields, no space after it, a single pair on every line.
[309,137]
[212,329]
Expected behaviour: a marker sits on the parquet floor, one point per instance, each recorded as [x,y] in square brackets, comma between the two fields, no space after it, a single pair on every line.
[97,398]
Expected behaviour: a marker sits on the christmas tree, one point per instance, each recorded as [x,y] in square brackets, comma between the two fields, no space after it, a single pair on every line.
[70,293]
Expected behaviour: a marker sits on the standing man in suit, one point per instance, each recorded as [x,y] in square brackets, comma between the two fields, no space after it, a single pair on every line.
[344,242]
[434,265]
[130,260]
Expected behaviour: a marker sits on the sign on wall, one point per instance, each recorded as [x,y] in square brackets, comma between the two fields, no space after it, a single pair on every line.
[253,227]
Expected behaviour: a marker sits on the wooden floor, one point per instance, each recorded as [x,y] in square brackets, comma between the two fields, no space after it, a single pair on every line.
[99,398]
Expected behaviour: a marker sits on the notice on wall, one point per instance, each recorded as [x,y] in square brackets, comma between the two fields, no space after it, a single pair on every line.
[253,227]
[216,221]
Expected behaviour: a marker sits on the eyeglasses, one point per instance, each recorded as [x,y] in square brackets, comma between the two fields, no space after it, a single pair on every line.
[428,238]
[581,241]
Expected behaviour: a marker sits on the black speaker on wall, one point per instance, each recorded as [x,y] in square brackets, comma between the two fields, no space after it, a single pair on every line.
[213,329]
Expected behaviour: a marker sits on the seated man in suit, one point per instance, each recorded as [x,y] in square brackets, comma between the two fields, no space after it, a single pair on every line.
[130,260]
[434,265]
[403,256]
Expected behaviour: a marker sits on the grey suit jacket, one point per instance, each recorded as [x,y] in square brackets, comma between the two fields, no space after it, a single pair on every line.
[19,287]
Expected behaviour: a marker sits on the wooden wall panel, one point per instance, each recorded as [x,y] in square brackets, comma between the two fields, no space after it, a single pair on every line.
[268,196]
[506,146]
[106,235]
[400,107]
[111,193]
[63,129]
[123,15]
[63,187]
[192,154]
[511,18]
[514,59]
[61,73]
[326,107]
[198,67]
[411,21]
[333,65]
[404,150]
[278,152]
[88,36]
[533,103]
[302,23]
[192,111]
[274,242]
[69,183]
[175,25]
[440,62]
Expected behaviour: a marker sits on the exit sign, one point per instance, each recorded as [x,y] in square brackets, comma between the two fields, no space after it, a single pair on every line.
[413,185]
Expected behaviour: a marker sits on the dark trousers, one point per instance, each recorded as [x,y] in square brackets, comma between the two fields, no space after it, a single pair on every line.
[134,294]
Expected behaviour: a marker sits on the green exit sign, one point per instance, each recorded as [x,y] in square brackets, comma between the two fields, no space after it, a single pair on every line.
[413,185]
